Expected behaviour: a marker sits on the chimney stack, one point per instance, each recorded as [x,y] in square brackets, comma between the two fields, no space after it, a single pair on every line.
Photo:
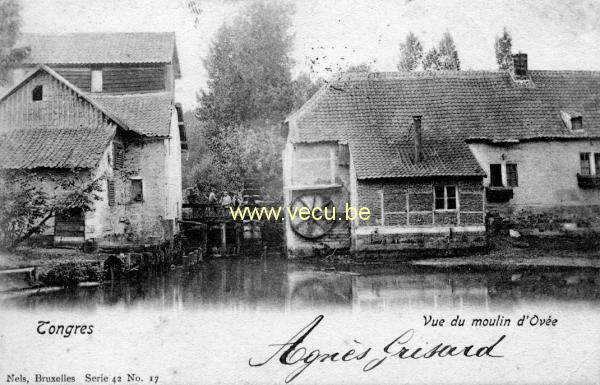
[418,134]
[520,65]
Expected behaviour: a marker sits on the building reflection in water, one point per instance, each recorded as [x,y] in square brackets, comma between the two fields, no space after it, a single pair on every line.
[278,284]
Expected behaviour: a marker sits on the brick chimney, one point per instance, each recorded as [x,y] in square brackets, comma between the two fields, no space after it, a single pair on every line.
[520,65]
[418,135]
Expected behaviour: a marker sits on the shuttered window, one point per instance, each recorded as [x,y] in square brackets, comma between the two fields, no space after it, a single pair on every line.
[118,156]
[343,155]
[111,192]
[512,178]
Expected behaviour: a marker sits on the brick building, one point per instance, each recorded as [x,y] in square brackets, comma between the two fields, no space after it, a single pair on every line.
[100,106]
[431,153]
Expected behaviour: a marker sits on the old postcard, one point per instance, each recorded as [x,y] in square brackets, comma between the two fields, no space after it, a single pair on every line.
[299,192]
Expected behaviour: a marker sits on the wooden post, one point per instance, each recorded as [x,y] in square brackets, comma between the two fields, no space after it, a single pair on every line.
[223,239]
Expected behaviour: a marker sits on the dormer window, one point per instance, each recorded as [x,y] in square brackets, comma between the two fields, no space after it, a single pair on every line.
[577,123]
[38,93]
[572,120]
[96,80]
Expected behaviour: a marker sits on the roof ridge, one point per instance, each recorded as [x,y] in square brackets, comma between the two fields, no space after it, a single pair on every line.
[99,33]
[398,75]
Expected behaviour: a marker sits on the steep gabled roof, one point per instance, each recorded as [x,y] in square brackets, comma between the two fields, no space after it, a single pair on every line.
[54,147]
[148,114]
[373,113]
[55,75]
[72,147]
[102,48]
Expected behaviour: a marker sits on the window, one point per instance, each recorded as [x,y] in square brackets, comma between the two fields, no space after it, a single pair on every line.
[597,161]
[137,193]
[512,178]
[96,81]
[496,175]
[577,123]
[584,160]
[111,192]
[118,155]
[445,197]
[37,94]
[343,155]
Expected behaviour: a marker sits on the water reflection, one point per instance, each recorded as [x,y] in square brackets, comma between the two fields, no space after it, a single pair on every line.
[278,284]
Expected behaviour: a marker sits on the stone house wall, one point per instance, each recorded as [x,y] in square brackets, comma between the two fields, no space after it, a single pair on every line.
[547,181]
[403,215]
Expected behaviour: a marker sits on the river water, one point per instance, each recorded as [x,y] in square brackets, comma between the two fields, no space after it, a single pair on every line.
[276,284]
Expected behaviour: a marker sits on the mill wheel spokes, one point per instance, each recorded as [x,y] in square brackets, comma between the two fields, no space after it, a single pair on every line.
[312,228]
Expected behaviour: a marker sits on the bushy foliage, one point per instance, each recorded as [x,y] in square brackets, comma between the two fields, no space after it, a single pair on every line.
[442,57]
[72,273]
[411,53]
[249,66]
[250,91]
[28,199]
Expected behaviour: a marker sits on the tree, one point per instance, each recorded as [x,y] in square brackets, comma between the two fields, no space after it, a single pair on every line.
[248,66]
[442,57]
[362,67]
[411,53]
[503,48]
[448,54]
[10,24]
[431,61]
[27,203]
[250,91]
[304,88]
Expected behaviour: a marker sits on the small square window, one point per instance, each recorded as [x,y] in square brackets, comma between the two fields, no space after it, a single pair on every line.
[37,93]
[577,123]
[445,197]
[137,190]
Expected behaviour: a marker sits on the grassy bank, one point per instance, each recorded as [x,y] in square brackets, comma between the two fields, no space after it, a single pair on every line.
[45,259]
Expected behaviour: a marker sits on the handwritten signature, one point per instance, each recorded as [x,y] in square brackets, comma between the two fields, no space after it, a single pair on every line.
[293,354]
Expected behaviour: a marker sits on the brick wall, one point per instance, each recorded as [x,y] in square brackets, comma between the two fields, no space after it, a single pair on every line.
[411,202]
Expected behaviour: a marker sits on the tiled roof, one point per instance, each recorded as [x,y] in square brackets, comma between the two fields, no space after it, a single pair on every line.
[373,113]
[53,147]
[147,114]
[99,48]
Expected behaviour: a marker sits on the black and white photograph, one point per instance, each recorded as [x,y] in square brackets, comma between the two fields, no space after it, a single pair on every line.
[299,191]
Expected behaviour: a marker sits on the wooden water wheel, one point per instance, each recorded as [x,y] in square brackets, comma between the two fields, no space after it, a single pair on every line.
[312,228]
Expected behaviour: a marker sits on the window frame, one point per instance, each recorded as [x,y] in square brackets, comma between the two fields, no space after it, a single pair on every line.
[509,180]
[589,163]
[445,198]
[499,176]
[138,198]
[577,123]
[37,94]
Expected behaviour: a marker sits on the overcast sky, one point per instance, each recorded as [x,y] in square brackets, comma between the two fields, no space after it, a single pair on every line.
[555,34]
